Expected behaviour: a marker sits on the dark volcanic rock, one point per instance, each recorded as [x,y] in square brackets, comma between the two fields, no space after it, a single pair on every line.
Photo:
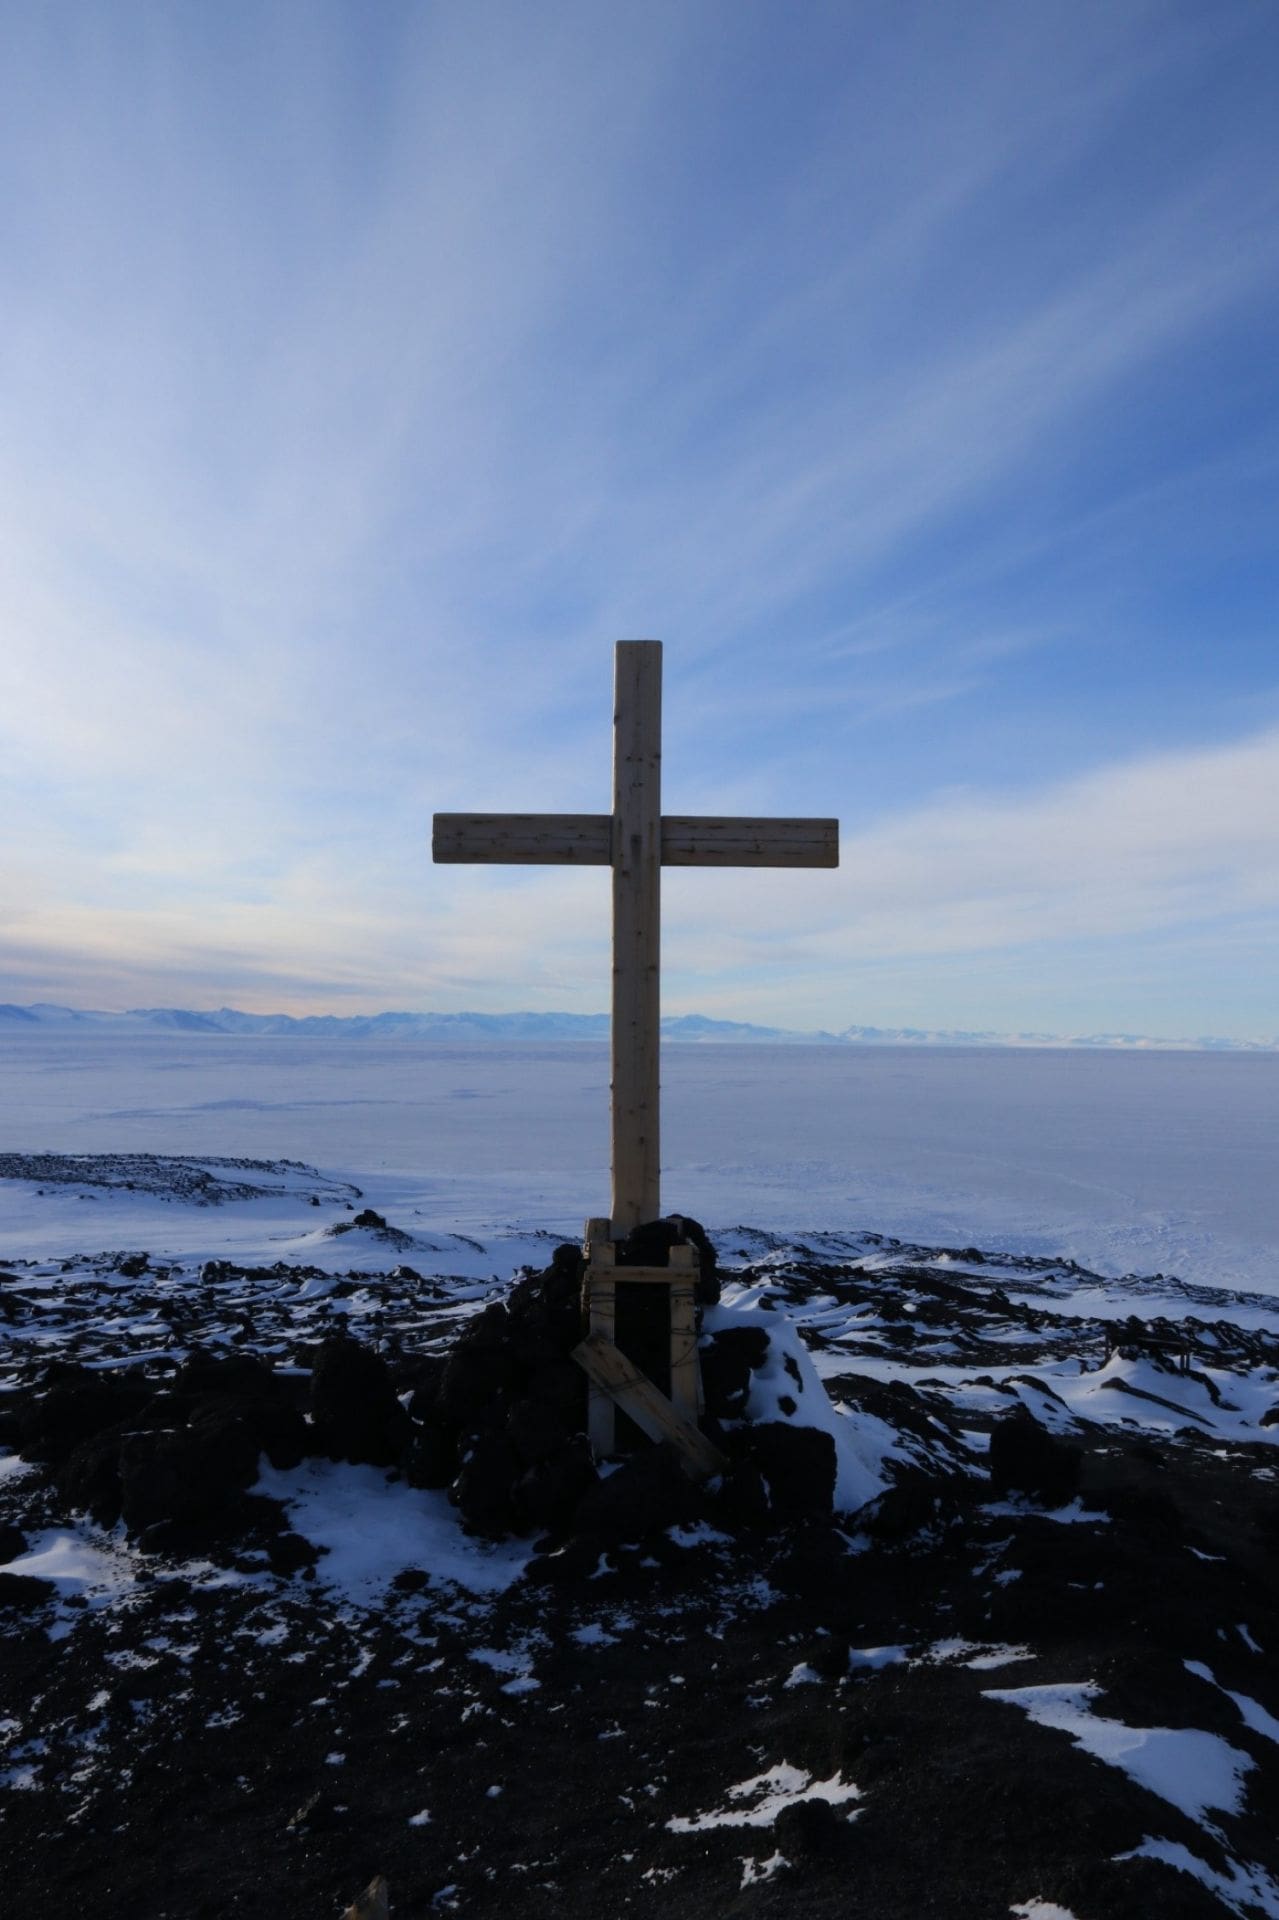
[537,1429]
[649,1245]
[181,1458]
[547,1496]
[811,1828]
[431,1460]
[21,1593]
[748,1344]
[354,1411]
[1025,1458]
[797,1465]
[288,1745]
[279,1430]
[742,1499]
[368,1221]
[78,1402]
[89,1482]
[426,1372]
[649,1492]
[238,1373]
[917,1502]
[13,1541]
[289,1553]
[562,1386]
[728,1359]
[476,1377]
[187,1475]
[484,1488]
[488,1331]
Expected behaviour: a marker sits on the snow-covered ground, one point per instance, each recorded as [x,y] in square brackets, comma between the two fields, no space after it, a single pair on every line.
[342,1606]
[1129,1163]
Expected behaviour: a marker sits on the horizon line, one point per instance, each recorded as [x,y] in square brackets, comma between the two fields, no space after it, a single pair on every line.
[851,1035]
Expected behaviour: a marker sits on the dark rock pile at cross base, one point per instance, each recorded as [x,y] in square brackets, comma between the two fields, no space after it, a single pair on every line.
[502,1420]
[1031,1674]
[498,1419]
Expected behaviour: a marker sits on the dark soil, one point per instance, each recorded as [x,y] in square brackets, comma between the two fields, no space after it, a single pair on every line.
[204,1749]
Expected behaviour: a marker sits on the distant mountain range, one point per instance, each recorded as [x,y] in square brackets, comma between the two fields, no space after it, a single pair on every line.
[471,1028]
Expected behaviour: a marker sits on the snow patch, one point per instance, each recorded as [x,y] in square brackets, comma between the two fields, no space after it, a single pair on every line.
[761,1798]
[756,1871]
[1251,1712]
[803,1675]
[789,1379]
[876,1657]
[371,1528]
[1242,1887]
[1192,1770]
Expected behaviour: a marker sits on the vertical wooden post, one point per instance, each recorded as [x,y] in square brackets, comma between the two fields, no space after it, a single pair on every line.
[601,1307]
[686,1375]
[637,863]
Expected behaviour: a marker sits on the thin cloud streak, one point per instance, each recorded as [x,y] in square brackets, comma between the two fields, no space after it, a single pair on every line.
[1158,845]
[359,386]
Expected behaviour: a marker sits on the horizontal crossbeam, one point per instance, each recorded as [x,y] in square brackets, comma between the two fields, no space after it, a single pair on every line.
[692,840]
[524,839]
[586,839]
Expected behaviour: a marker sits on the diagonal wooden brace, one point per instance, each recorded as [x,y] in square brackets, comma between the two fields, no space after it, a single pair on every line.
[609,1369]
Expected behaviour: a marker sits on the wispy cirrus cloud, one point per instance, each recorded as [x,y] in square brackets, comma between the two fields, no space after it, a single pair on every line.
[1147,849]
[360,384]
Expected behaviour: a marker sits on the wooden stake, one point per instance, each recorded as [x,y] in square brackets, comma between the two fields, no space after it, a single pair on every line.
[601,1309]
[685,1371]
[637,861]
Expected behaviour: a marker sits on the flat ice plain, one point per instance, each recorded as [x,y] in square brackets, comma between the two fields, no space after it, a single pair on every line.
[1151,1162]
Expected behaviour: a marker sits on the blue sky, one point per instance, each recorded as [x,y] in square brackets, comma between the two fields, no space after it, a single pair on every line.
[909,371]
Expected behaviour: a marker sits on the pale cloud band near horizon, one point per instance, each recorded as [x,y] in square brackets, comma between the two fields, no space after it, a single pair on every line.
[1153,845]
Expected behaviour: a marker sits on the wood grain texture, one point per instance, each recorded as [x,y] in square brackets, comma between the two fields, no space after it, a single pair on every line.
[585,839]
[637,859]
[601,1305]
[652,1412]
[691,840]
[523,839]
[686,1372]
[636,840]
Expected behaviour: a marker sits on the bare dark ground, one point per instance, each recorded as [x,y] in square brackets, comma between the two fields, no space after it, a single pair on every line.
[571,1747]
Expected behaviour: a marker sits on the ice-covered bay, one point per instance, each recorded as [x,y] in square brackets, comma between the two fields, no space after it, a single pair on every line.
[1146,1162]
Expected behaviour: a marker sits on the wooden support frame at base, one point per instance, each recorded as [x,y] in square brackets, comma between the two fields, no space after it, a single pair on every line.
[620,1379]
[599,1299]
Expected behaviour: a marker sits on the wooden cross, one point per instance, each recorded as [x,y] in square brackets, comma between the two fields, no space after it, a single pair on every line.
[636,840]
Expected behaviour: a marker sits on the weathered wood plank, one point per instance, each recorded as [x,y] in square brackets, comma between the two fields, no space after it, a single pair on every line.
[692,840]
[631,1276]
[601,1304]
[585,839]
[635,840]
[651,1411]
[637,858]
[686,1371]
[523,839]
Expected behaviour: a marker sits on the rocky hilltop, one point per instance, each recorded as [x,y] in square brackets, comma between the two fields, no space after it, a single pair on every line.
[312,1572]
